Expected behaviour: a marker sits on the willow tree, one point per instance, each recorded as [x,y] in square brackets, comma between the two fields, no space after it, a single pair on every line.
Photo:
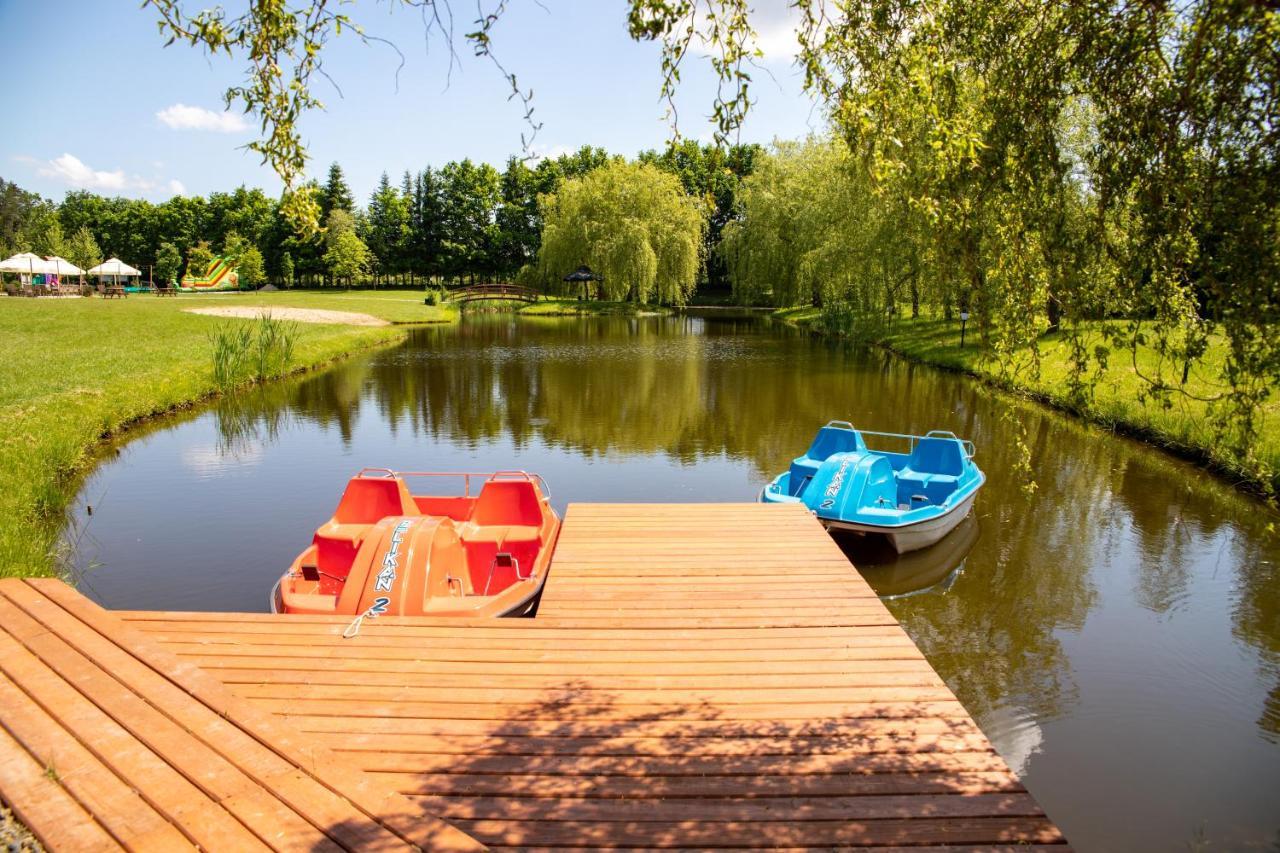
[812,229]
[633,225]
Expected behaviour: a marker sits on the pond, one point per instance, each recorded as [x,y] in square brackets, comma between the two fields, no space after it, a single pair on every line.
[1116,633]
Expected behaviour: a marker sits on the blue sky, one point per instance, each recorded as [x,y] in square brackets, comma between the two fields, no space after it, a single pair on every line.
[116,112]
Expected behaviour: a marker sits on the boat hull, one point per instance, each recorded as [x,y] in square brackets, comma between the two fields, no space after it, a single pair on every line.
[523,605]
[910,537]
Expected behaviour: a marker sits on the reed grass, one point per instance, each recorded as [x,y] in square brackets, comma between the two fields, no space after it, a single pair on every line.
[242,352]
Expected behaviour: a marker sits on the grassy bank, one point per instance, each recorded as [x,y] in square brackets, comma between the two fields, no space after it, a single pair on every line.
[574,308]
[76,371]
[1183,428]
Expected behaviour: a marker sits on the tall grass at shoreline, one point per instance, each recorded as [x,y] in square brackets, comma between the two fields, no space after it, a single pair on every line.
[242,352]
[77,371]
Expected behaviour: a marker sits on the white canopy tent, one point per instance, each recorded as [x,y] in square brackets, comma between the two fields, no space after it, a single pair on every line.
[61,266]
[114,271]
[27,263]
[114,266]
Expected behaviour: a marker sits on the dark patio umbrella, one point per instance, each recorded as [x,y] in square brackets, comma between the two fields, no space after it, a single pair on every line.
[582,275]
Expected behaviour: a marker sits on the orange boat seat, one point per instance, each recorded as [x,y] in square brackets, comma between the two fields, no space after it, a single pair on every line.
[500,534]
[507,502]
[368,500]
[352,533]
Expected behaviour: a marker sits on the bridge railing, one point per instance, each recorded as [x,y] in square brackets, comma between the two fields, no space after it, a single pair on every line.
[479,292]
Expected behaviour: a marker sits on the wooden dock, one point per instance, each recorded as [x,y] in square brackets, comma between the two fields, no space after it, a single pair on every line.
[698,675]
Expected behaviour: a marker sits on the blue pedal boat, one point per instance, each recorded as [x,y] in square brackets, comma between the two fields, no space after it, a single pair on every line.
[913,498]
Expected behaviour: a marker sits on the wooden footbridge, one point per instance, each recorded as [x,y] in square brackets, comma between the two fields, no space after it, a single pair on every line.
[493,293]
[710,675]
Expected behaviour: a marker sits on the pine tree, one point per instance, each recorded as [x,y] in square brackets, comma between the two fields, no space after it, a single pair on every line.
[388,221]
[336,195]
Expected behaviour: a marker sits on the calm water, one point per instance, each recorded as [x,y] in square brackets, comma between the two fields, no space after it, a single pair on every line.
[1117,634]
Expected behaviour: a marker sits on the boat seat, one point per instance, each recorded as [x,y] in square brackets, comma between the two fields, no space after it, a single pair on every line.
[936,457]
[502,534]
[353,533]
[924,478]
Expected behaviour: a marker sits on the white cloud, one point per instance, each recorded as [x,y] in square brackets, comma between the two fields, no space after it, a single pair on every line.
[74,172]
[549,152]
[183,117]
[77,173]
[775,26]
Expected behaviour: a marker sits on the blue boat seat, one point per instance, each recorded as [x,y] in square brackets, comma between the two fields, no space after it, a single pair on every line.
[935,458]
[829,441]
[933,469]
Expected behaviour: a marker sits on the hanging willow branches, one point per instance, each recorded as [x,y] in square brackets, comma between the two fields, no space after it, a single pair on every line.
[633,225]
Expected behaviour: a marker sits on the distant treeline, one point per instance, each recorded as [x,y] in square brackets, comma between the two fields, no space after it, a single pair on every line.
[461,222]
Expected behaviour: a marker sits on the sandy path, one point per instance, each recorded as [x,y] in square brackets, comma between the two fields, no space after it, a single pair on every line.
[302,315]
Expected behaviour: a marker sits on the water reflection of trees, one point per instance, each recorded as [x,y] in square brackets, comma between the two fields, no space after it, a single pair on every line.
[693,389]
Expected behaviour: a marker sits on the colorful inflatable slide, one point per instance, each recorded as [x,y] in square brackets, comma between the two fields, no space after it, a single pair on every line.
[220,275]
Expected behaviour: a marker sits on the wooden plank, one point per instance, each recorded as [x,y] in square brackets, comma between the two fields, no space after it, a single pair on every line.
[704,787]
[748,769]
[41,802]
[177,773]
[441,671]
[466,746]
[732,809]
[570,692]
[641,728]
[921,831]
[569,638]
[605,709]
[323,772]
[400,683]
[295,653]
[130,819]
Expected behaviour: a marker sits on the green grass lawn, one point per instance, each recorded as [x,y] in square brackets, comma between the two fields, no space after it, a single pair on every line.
[78,370]
[1116,404]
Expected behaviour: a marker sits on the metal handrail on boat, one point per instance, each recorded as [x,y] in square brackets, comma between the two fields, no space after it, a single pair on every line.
[465,475]
[969,448]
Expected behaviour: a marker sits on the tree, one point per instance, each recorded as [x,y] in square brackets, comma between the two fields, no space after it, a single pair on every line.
[469,195]
[22,216]
[347,257]
[712,174]
[199,257]
[82,249]
[249,268]
[233,246]
[387,226]
[48,241]
[168,262]
[336,195]
[631,223]
[337,223]
[286,269]
[518,220]
[424,244]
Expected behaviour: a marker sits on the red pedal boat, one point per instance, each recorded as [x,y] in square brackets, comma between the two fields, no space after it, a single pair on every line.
[387,551]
